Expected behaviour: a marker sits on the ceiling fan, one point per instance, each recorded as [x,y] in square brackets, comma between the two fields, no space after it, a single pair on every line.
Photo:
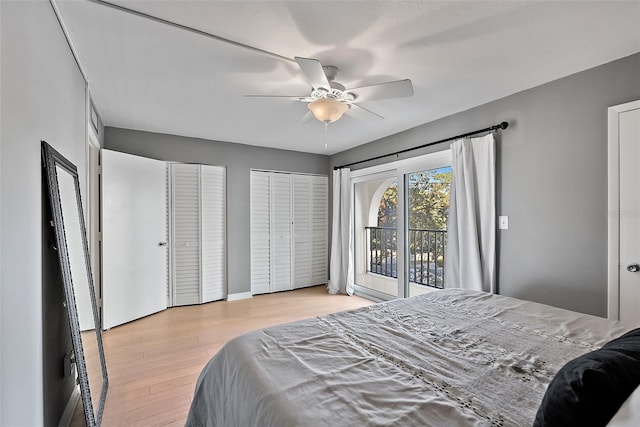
[329,100]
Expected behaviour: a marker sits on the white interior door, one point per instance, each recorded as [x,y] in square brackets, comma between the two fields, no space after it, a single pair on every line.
[289,231]
[301,231]
[185,241]
[280,232]
[629,274]
[134,230]
[319,229]
[213,225]
[260,232]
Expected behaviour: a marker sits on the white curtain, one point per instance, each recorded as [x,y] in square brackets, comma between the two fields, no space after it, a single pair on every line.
[471,239]
[341,265]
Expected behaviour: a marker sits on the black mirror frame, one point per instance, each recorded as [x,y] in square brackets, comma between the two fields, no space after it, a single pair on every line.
[50,159]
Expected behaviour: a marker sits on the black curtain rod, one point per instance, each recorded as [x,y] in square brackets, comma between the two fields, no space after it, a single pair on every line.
[502,125]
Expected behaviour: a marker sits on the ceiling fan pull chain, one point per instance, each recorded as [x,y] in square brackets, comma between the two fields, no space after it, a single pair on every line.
[326,128]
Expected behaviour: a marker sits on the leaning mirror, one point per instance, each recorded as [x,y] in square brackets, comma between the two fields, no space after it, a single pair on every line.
[80,301]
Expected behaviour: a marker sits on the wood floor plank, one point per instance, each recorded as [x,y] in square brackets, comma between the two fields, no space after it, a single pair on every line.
[154,362]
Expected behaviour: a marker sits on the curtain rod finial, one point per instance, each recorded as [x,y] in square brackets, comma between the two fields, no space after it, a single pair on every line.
[504,125]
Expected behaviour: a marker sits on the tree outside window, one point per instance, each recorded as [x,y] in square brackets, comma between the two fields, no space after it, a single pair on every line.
[428,201]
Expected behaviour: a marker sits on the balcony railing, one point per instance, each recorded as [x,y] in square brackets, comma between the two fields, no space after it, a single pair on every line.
[426,254]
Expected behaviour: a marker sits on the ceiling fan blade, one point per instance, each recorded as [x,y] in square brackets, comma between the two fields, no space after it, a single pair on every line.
[294,98]
[395,89]
[367,110]
[312,69]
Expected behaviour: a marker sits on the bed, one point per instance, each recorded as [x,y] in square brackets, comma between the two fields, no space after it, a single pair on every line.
[446,358]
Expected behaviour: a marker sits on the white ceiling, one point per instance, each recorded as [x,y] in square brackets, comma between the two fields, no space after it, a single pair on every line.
[150,76]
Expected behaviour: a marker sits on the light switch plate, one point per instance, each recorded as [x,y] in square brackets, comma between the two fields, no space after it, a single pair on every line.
[503,222]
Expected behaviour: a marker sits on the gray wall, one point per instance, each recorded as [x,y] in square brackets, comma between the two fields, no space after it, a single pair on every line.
[551,178]
[43,97]
[238,159]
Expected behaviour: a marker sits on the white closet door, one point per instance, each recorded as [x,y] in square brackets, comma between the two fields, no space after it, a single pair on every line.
[301,231]
[134,226]
[185,191]
[319,229]
[213,226]
[280,232]
[260,232]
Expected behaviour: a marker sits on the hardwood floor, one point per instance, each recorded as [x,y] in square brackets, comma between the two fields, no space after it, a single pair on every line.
[153,363]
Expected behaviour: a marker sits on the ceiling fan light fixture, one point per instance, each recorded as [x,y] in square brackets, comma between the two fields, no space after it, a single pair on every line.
[327,110]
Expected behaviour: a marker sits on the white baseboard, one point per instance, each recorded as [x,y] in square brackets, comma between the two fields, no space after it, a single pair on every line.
[240,295]
[67,415]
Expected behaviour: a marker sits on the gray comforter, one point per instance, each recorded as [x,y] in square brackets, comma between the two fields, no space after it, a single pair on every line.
[447,358]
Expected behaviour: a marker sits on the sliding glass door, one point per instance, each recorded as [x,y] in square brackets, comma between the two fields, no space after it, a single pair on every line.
[400,226]
[427,216]
[376,226]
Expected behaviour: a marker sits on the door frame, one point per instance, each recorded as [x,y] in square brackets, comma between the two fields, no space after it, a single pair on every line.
[93,210]
[613,212]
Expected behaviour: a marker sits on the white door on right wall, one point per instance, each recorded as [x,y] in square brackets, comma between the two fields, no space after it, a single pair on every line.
[624,126]
[629,128]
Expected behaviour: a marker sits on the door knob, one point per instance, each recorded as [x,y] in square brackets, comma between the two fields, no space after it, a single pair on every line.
[162,244]
[633,268]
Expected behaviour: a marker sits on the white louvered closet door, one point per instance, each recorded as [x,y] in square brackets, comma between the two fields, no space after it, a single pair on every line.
[260,232]
[185,226]
[289,231]
[213,229]
[301,231]
[280,232]
[319,229]
[198,227]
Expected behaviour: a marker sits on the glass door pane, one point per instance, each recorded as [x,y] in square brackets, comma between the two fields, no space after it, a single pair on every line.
[427,217]
[376,211]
